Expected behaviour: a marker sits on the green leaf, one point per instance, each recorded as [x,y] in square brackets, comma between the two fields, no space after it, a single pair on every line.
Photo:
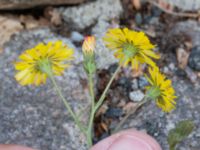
[179,133]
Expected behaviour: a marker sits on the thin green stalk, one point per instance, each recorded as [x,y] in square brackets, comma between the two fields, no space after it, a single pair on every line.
[90,124]
[100,101]
[67,105]
[83,111]
[91,89]
[172,147]
[96,106]
[130,113]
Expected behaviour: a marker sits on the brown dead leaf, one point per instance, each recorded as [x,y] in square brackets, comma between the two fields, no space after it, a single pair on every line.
[121,104]
[182,57]
[188,45]
[165,5]
[102,110]
[30,22]
[53,15]
[56,17]
[9,26]
[136,4]
[198,74]
[104,126]
[151,31]
[129,106]
[138,72]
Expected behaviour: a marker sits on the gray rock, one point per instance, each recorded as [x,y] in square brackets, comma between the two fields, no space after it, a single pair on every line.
[114,112]
[138,18]
[97,13]
[124,82]
[190,28]
[35,116]
[76,36]
[194,58]
[104,56]
[80,17]
[136,96]
[134,84]
[142,82]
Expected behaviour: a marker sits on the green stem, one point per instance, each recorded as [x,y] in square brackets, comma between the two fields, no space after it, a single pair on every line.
[172,147]
[100,101]
[91,89]
[96,106]
[130,113]
[67,104]
[90,124]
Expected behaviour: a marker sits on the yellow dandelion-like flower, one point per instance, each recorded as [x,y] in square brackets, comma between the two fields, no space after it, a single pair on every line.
[131,47]
[36,64]
[161,90]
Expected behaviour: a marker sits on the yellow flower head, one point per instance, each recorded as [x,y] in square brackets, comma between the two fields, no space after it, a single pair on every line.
[37,63]
[89,44]
[131,47]
[161,90]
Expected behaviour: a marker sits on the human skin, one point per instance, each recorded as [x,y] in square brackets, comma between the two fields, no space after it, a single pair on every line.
[128,140]
[125,140]
[14,147]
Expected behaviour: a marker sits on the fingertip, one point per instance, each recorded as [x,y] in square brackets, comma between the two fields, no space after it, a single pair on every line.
[128,139]
[13,147]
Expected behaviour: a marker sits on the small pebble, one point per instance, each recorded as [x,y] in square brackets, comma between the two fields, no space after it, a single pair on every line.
[125,82]
[136,96]
[113,112]
[166,70]
[181,73]
[142,82]
[194,58]
[134,84]
[138,19]
[76,36]
[171,66]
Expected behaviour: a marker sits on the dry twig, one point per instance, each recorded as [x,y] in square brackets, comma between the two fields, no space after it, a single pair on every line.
[179,14]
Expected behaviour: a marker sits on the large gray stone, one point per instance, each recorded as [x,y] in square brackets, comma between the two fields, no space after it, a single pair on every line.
[104,56]
[80,17]
[97,14]
[194,58]
[190,28]
[35,116]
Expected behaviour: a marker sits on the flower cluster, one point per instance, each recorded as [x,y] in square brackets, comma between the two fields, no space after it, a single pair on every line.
[135,48]
[44,61]
[131,47]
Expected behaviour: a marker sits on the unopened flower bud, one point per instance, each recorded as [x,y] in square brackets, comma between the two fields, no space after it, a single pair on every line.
[89,55]
[89,45]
